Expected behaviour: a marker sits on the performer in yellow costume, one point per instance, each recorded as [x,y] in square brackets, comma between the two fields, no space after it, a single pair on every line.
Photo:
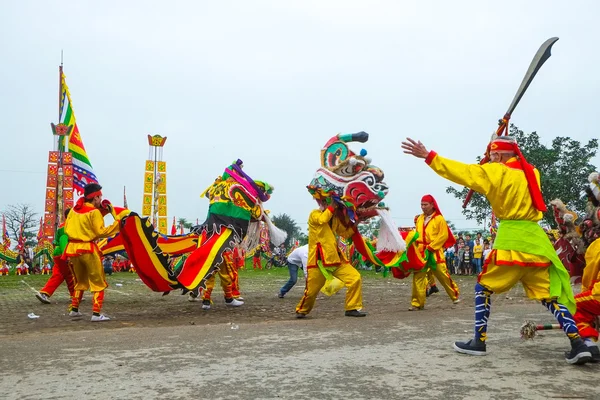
[323,226]
[434,237]
[84,226]
[522,251]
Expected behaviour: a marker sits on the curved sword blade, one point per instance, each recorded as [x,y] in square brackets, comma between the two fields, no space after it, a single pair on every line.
[538,60]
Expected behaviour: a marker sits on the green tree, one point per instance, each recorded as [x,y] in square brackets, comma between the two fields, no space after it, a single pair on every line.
[22,213]
[184,222]
[369,228]
[285,222]
[564,167]
[302,238]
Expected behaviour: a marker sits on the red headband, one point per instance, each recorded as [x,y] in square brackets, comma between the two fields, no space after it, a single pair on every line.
[503,145]
[93,194]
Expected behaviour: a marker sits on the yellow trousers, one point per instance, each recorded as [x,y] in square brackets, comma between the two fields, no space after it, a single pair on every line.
[226,283]
[419,285]
[315,281]
[88,272]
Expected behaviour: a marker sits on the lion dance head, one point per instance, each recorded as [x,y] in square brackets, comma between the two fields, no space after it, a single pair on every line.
[349,179]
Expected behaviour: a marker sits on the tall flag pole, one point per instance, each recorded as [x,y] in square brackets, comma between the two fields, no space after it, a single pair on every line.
[154,204]
[40,235]
[83,173]
[21,240]
[124,198]
[5,236]
[173,228]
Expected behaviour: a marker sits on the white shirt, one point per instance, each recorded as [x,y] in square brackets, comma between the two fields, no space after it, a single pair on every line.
[486,252]
[299,257]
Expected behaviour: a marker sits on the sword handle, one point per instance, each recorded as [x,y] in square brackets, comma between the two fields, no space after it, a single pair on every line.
[502,130]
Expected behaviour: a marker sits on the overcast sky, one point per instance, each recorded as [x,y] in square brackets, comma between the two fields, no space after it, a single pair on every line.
[271,81]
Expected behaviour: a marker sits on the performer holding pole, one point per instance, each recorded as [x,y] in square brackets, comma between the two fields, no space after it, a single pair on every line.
[522,251]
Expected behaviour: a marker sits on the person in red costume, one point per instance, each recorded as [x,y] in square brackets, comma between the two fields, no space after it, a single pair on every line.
[61,272]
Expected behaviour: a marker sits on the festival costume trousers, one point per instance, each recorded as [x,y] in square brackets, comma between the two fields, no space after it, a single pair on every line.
[227,276]
[544,280]
[588,301]
[89,275]
[315,281]
[588,309]
[419,285]
[60,272]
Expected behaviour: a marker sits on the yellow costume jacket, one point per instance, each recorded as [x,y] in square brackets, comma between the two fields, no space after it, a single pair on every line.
[322,242]
[505,187]
[432,235]
[84,227]
[591,272]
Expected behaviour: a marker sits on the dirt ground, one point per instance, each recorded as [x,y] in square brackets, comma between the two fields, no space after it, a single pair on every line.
[166,347]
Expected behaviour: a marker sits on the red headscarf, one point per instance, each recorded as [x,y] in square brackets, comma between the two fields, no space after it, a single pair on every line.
[81,201]
[429,199]
[535,191]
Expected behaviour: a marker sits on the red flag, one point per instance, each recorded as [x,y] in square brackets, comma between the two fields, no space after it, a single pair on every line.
[173,228]
[493,225]
[5,236]
[40,235]
[21,241]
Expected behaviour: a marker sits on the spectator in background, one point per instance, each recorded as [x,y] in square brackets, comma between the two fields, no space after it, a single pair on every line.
[467,267]
[487,249]
[296,260]
[108,265]
[450,253]
[460,256]
[478,255]
[4,268]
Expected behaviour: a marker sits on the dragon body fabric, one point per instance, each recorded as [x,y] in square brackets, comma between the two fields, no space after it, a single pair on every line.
[358,188]
[235,200]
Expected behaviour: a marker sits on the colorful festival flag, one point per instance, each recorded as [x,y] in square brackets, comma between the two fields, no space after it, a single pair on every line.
[5,236]
[40,235]
[83,173]
[493,225]
[21,239]
[173,228]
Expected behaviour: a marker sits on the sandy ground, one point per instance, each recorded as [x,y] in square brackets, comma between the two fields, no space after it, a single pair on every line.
[167,347]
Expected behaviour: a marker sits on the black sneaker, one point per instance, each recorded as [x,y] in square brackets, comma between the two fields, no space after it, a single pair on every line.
[355,313]
[595,353]
[579,354]
[300,315]
[472,347]
[280,295]
[433,289]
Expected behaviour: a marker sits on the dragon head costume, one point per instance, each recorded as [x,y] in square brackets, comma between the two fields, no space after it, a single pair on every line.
[235,200]
[349,179]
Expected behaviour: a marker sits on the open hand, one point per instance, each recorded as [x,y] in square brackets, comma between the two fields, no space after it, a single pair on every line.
[415,148]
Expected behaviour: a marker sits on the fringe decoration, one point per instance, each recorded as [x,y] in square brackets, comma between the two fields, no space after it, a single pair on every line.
[277,235]
[252,238]
[389,238]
